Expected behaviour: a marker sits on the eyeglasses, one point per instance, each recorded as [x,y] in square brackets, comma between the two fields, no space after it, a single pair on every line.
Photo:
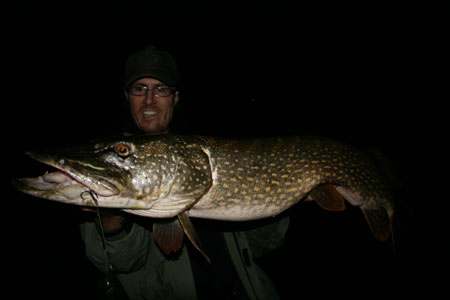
[157,91]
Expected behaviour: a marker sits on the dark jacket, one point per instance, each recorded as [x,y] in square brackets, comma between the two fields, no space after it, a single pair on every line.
[146,273]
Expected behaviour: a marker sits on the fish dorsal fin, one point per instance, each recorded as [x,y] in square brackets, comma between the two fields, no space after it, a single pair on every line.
[192,234]
[168,234]
[327,197]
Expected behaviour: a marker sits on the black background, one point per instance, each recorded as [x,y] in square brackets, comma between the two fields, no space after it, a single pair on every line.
[372,76]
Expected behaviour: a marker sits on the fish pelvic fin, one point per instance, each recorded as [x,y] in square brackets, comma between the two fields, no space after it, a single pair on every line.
[169,234]
[189,230]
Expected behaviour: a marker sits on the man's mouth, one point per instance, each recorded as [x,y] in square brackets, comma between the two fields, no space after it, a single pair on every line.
[147,114]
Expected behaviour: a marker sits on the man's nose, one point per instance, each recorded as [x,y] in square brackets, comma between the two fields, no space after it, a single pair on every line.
[149,98]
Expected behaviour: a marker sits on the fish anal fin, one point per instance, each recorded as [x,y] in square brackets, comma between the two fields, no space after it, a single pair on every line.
[327,197]
[192,234]
[168,234]
[379,222]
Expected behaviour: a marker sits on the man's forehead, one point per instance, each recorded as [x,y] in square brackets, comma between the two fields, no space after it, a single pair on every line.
[149,81]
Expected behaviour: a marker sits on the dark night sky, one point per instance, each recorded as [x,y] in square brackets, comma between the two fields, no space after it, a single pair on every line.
[372,79]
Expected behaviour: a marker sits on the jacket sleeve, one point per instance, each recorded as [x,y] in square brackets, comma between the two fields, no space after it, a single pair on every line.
[127,254]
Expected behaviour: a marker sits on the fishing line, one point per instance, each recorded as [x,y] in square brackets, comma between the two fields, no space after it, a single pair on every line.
[94,196]
[113,288]
[102,231]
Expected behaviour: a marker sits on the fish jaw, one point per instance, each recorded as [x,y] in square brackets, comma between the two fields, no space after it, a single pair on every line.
[67,190]
[70,184]
[59,186]
[151,180]
[77,171]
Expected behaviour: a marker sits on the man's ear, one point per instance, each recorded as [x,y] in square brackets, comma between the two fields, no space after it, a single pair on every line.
[176,98]
[126,95]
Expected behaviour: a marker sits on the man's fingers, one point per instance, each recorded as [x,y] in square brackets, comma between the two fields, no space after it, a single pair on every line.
[88,209]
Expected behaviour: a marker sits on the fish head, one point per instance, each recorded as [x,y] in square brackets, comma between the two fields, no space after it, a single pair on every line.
[132,173]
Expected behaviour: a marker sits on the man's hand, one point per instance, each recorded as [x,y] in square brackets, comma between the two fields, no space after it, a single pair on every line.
[112,219]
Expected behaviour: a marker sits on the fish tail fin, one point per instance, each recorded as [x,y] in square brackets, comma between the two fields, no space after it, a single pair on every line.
[379,222]
[378,218]
[395,231]
[383,226]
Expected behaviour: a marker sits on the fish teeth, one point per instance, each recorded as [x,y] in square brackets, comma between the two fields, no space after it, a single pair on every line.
[55,177]
[58,178]
[70,183]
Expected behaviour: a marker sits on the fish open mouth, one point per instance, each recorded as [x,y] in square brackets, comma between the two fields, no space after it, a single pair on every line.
[54,185]
[66,182]
[54,181]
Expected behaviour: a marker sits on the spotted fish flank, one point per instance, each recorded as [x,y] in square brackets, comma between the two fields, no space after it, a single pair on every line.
[267,176]
[168,176]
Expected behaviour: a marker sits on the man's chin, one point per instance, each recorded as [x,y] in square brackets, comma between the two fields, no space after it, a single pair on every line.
[152,128]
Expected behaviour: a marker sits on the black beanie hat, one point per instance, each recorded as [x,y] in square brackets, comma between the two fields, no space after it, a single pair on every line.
[151,62]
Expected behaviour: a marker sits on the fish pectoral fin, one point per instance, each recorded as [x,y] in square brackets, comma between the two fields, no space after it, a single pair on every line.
[379,223]
[168,234]
[189,229]
[327,197]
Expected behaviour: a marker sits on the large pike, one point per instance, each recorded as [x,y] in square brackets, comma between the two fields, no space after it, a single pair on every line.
[167,176]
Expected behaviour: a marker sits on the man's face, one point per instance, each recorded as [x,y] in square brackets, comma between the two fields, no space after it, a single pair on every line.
[150,113]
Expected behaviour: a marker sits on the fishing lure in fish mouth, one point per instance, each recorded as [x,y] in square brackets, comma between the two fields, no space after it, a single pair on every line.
[176,177]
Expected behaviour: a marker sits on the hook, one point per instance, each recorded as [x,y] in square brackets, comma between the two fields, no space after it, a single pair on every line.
[91,193]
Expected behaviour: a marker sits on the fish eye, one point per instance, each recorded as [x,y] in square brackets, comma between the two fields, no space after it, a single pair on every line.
[123,150]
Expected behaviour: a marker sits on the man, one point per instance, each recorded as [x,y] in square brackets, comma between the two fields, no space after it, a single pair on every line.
[151,79]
